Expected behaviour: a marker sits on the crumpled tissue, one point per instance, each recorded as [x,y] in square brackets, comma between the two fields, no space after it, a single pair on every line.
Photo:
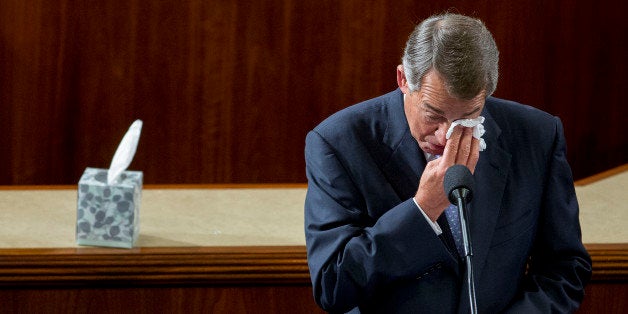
[476,124]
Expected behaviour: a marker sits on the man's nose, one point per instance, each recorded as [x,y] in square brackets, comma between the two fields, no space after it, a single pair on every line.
[441,133]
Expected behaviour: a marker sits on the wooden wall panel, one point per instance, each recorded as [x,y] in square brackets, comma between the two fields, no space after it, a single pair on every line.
[228,89]
[605,297]
[608,298]
[205,299]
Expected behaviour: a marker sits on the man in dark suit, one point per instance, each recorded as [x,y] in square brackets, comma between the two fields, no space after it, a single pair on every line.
[377,235]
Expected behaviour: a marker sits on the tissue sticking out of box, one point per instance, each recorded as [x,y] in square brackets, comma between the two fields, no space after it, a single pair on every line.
[125,152]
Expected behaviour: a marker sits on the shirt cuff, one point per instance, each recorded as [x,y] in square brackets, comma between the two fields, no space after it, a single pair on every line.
[434,225]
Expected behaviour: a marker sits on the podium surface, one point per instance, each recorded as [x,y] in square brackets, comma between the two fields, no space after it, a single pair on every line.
[170,216]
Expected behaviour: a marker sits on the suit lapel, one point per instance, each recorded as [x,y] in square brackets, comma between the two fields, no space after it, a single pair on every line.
[490,176]
[405,167]
[406,161]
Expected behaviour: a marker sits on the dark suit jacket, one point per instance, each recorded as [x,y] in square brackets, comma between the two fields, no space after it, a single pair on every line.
[369,245]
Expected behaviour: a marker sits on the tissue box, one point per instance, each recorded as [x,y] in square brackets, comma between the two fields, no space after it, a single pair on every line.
[108,215]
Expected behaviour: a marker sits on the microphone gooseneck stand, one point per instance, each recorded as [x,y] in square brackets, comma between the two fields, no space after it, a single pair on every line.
[460,196]
[459,185]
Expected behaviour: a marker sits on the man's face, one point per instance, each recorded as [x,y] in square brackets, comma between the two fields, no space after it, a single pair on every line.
[431,110]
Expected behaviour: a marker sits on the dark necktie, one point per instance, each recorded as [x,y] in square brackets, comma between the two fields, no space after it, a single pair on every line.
[454,225]
[451,213]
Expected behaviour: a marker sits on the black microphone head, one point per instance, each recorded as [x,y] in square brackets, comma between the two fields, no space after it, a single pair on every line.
[458,177]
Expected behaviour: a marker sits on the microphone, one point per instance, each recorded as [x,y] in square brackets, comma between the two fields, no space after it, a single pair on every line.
[459,186]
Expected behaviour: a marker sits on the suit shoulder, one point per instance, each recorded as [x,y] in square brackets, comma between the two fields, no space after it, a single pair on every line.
[513,115]
[367,117]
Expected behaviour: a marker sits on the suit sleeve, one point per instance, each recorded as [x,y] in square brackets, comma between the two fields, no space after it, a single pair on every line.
[559,265]
[349,252]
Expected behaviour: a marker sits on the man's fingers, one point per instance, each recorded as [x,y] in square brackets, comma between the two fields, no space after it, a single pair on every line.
[475,154]
[461,148]
[464,147]
[451,147]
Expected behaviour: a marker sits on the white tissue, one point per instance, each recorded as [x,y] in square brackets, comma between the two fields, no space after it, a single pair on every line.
[476,124]
[125,152]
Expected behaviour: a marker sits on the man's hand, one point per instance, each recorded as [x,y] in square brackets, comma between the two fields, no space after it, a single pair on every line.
[461,148]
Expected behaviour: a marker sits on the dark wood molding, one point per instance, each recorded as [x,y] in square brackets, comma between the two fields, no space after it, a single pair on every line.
[610,261]
[602,175]
[281,265]
[154,266]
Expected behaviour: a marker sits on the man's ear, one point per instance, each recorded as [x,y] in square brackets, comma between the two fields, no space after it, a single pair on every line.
[401,80]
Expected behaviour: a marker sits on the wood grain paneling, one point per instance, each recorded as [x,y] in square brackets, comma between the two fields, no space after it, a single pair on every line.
[228,89]
[172,300]
[605,297]
[608,298]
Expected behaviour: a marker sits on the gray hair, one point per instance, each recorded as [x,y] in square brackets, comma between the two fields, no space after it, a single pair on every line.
[459,48]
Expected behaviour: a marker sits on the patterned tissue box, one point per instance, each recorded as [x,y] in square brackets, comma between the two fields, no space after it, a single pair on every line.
[108,215]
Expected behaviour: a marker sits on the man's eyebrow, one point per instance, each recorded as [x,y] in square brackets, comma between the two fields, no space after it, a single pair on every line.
[429,107]
[440,112]
[473,111]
